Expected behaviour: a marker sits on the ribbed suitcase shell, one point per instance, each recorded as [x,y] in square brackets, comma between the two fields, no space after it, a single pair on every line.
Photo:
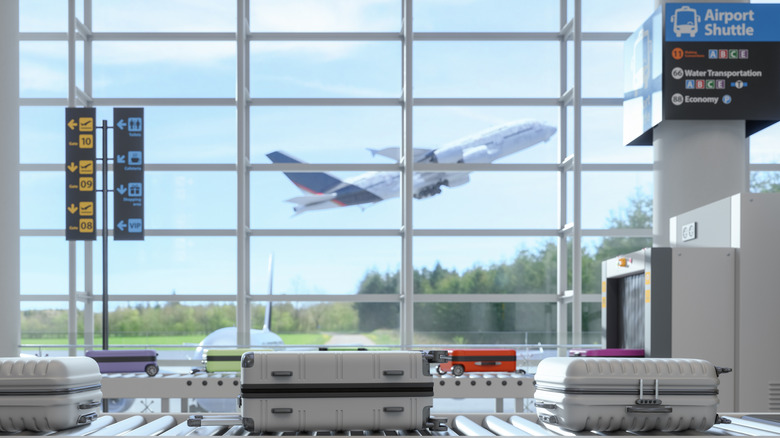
[335,390]
[603,394]
[44,394]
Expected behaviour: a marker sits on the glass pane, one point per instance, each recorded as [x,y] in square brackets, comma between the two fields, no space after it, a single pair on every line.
[41,135]
[42,200]
[325,69]
[607,194]
[322,265]
[600,249]
[486,69]
[486,200]
[484,323]
[435,127]
[503,265]
[182,200]
[168,266]
[765,182]
[276,202]
[325,134]
[614,16]
[43,69]
[486,16]
[325,16]
[602,69]
[164,16]
[602,140]
[43,16]
[164,69]
[591,324]
[43,268]
[763,146]
[190,135]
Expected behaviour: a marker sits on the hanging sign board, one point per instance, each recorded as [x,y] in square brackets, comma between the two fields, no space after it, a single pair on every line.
[128,174]
[80,174]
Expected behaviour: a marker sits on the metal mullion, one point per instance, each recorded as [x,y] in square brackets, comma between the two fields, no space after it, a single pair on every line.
[164,101]
[406,292]
[577,183]
[562,253]
[325,101]
[486,101]
[486,36]
[243,316]
[325,36]
[487,298]
[43,36]
[315,232]
[477,232]
[163,36]
[311,167]
[89,320]
[72,95]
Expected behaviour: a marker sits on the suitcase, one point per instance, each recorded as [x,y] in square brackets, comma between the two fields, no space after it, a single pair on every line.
[637,394]
[337,390]
[44,394]
[606,352]
[217,360]
[125,361]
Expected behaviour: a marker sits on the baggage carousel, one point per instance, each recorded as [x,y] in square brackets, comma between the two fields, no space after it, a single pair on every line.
[458,425]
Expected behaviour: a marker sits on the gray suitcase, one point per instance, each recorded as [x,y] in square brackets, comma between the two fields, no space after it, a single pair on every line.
[609,394]
[43,394]
[336,390]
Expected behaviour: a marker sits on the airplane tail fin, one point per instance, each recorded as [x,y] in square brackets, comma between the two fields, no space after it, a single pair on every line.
[312,182]
[267,321]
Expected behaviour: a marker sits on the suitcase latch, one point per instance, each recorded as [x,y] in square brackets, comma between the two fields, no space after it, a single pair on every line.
[648,401]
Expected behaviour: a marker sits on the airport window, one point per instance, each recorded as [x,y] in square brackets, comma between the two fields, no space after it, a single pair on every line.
[282,141]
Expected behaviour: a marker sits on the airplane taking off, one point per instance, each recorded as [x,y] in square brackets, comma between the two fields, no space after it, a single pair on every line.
[326,191]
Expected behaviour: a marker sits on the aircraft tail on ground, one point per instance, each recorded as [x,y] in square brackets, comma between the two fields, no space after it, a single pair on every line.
[312,182]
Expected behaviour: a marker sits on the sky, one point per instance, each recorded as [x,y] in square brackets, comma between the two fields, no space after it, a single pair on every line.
[319,265]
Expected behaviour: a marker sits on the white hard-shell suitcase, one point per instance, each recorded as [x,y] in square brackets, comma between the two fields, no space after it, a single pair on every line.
[44,394]
[637,394]
[336,390]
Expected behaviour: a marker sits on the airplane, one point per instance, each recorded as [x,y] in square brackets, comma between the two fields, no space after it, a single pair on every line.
[326,191]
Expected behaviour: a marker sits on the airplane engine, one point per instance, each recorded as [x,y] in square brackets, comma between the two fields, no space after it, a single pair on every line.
[479,154]
[456,179]
[447,155]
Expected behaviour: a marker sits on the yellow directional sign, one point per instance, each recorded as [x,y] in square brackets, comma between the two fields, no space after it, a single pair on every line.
[72,167]
[86,167]
[86,209]
[72,209]
[72,124]
[86,141]
[86,124]
[86,225]
[86,184]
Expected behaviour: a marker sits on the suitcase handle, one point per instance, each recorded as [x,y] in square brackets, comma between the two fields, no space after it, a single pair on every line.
[394,409]
[393,372]
[281,373]
[543,405]
[281,411]
[90,405]
[648,409]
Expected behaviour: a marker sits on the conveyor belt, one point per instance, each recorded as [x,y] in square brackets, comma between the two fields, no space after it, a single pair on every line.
[227,385]
[459,425]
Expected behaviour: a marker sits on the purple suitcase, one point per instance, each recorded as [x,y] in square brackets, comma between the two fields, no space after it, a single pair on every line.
[125,361]
[606,352]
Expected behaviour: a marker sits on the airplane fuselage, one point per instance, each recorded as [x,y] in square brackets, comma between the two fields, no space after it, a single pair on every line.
[485,147]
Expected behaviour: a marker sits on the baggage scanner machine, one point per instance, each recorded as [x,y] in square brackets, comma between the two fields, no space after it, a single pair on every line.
[673,302]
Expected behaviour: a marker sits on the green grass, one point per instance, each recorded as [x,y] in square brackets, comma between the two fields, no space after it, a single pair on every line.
[175,341]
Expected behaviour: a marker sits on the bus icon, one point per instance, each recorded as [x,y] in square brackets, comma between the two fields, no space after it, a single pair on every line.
[685,20]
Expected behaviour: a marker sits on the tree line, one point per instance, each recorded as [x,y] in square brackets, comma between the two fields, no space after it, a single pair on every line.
[530,272]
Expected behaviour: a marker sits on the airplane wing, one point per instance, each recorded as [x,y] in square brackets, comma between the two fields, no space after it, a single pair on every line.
[313,199]
[394,153]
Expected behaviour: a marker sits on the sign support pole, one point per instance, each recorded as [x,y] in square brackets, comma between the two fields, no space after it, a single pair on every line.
[105,234]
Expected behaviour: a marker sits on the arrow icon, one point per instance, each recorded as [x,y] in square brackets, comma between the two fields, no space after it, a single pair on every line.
[121,225]
[121,124]
[72,124]
[121,189]
[73,209]
[72,167]
[120,159]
